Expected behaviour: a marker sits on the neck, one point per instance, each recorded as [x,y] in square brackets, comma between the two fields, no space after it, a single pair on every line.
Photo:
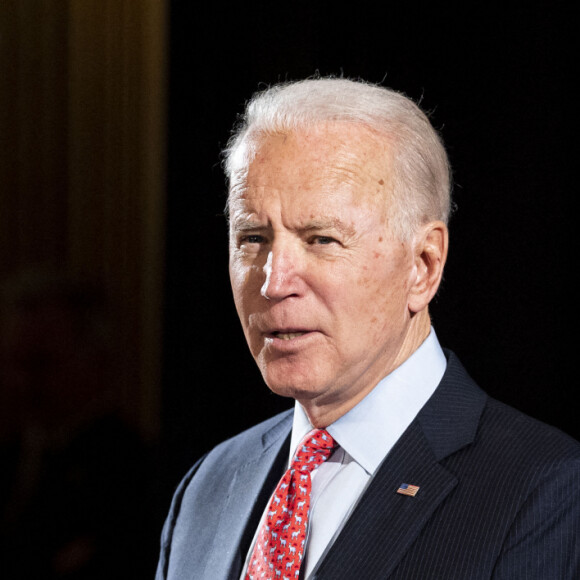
[418,331]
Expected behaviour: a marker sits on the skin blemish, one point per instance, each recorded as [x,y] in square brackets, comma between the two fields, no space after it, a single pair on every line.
[377,254]
[381,182]
[381,239]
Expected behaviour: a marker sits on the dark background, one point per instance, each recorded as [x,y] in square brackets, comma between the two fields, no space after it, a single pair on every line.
[499,84]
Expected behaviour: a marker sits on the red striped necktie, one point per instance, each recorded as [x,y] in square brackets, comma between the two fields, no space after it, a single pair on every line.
[279,548]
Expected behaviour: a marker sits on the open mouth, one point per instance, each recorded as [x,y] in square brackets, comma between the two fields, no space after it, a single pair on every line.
[288,335]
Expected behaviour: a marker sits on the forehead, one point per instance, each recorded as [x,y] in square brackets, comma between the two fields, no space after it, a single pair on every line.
[325,161]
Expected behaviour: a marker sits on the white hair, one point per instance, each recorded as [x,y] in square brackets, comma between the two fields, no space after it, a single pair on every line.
[421,173]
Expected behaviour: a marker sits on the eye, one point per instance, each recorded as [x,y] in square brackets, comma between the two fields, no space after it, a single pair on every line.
[252,239]
[322,240]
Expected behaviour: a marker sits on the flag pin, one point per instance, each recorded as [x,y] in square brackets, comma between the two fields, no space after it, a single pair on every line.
[407,489]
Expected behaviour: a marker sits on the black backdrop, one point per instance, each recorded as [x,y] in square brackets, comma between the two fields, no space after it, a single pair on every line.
[499,83]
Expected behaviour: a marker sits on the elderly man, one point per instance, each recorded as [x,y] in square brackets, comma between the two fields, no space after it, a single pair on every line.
[393,463]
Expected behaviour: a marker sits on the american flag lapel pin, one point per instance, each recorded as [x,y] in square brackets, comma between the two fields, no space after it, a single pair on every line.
[408,489]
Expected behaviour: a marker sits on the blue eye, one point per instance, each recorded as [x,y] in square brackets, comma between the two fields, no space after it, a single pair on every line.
[253,239]
[324,240]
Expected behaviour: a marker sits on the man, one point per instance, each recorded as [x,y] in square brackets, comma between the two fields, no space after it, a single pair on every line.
[338,204]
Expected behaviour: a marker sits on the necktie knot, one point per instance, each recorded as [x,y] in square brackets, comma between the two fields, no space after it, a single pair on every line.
[315,448]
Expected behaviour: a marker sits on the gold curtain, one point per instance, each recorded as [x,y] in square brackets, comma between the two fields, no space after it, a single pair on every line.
[82,161]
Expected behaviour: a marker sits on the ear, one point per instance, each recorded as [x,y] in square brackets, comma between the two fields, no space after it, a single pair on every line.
[430,253]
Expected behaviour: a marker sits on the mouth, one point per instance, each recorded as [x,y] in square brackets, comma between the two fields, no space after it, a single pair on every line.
[288,334]
[289,340]
[285,335]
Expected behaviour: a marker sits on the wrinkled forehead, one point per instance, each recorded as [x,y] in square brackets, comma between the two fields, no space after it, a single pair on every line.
[325,156]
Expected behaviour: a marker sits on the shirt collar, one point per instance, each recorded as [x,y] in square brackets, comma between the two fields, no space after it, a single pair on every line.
[384,414]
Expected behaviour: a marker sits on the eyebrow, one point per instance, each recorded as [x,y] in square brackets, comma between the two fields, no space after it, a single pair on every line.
[247,225]
[243,225]
[328,224]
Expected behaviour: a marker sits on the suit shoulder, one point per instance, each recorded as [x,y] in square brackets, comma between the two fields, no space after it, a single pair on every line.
[220,463]
[260,436]
[528,436]
[497,429]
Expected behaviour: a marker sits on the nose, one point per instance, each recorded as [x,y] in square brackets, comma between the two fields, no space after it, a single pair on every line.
[282,273]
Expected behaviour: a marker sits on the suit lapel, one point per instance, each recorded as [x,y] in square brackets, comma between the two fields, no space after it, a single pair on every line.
[249,491]
[384,523]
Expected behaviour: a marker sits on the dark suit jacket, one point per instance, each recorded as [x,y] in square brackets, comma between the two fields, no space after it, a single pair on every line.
[499,498]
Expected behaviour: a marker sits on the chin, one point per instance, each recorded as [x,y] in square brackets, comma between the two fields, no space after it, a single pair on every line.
[294,385]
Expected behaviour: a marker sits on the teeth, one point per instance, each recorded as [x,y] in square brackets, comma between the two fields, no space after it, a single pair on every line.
[289,335]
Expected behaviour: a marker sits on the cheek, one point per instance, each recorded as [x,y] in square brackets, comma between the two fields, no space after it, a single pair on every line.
[246,282]
[382,294]
[238,281]
[236,278]
[238,269]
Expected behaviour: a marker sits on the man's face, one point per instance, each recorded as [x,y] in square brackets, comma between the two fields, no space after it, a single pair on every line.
[320,284]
